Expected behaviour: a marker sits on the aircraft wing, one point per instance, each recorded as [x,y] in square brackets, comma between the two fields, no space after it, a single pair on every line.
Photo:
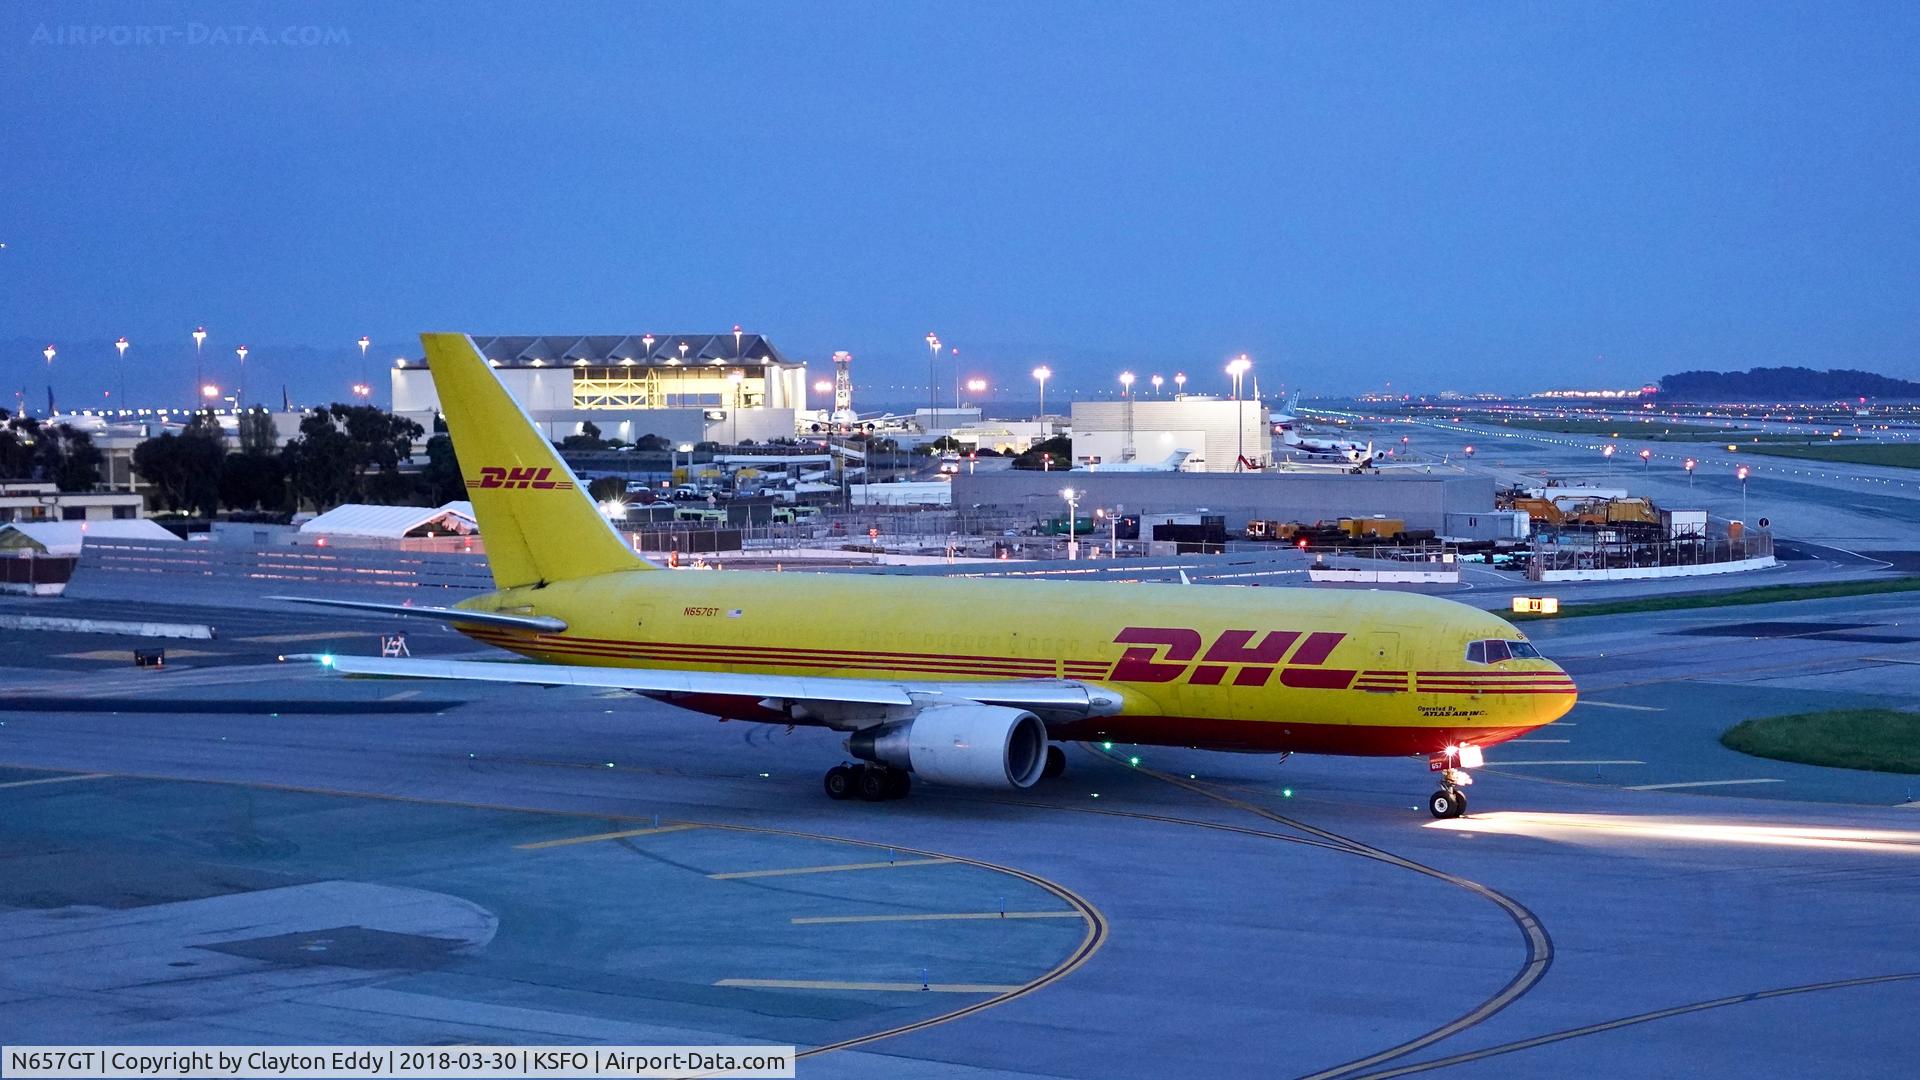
[545,623]
[1048,699]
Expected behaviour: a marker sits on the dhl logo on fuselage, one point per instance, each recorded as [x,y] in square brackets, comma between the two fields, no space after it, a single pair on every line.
[1159,654]
[495,476]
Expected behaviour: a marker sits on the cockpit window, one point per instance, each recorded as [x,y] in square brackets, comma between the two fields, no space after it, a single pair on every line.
[1495,650]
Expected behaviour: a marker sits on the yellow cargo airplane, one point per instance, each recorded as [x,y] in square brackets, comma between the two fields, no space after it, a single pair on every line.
[961,681]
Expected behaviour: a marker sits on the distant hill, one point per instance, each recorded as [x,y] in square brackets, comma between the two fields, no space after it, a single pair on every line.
[1784,384]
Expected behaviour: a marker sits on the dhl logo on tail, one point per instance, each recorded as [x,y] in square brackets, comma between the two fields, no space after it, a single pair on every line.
[495,476]
[1299,657]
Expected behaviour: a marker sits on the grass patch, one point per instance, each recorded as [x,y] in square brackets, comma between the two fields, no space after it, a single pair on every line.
[1763,594]
[1882,740]
[1897,455]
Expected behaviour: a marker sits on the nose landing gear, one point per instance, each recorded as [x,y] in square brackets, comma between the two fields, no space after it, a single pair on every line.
[1450,801]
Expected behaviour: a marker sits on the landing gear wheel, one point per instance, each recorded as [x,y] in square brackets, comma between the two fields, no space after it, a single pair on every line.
[899,782]
[1448,802]
[838,782]
[1056,762]
[874,784]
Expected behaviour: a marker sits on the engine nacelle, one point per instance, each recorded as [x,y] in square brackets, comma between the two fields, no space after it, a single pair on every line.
[967,745]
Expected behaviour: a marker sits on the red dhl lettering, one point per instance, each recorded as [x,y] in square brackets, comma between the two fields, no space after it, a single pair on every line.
[1161,654]
[496,476]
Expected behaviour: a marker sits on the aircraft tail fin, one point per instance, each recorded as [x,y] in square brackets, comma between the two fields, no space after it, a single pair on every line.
[537,520]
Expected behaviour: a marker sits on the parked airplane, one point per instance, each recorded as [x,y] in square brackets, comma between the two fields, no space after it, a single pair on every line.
[1352,453]
[961,681]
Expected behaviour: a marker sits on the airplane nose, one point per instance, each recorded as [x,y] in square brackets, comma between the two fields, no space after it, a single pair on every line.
[1560,699]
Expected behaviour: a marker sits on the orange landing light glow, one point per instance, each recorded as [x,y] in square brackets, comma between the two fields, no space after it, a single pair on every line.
[1604,827]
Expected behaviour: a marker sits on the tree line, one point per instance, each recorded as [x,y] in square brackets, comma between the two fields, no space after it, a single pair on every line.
[1784,384]
[55,454]
[343,453]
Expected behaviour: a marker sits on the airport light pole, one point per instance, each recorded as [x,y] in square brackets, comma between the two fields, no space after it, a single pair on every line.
[1073,508]
[1237,369]
[365,375]
[1742,473]
[122,346]
[1607,452]
[1689,466]
[933,376]
[241,393]
[1179,383]
[1042,374]
[1126,394]
[1646,461]
[1157,381]
[199,372]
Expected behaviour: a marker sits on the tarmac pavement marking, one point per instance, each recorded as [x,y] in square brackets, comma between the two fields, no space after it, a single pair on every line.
[1618,705]
[1504,764]
[56,780]
[1700,783]
[813,984]
[786,871]
[818,920]
[126,655]
[287,639]
[621,835]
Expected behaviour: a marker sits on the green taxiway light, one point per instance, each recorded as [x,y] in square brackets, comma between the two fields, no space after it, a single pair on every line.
[1133,761]
[1106,746]
[1286,793]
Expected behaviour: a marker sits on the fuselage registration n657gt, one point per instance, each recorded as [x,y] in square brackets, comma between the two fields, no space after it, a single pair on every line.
[970,682]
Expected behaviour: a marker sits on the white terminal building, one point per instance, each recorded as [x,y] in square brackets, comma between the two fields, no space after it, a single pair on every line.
[723,388]
[1213,432]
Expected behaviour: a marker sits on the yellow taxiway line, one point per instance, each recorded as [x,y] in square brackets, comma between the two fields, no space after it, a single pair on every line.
[621,835]
[813,984]
[820,920]
[737,875]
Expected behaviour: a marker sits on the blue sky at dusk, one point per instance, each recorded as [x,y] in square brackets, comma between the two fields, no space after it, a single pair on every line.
[1477,196]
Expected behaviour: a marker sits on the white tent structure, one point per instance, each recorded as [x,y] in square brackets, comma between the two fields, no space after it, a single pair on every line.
[66,537]
[393,522]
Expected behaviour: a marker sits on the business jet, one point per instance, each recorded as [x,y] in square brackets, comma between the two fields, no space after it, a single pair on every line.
[956,681]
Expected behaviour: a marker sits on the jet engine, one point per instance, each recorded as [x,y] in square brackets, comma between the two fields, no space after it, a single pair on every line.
[965,745]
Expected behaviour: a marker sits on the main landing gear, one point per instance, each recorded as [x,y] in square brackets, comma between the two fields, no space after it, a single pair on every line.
[1450,801]
[874,783]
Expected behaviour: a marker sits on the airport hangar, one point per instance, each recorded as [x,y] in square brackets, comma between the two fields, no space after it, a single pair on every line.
[1213,431]
[1421,499]
[682,387]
